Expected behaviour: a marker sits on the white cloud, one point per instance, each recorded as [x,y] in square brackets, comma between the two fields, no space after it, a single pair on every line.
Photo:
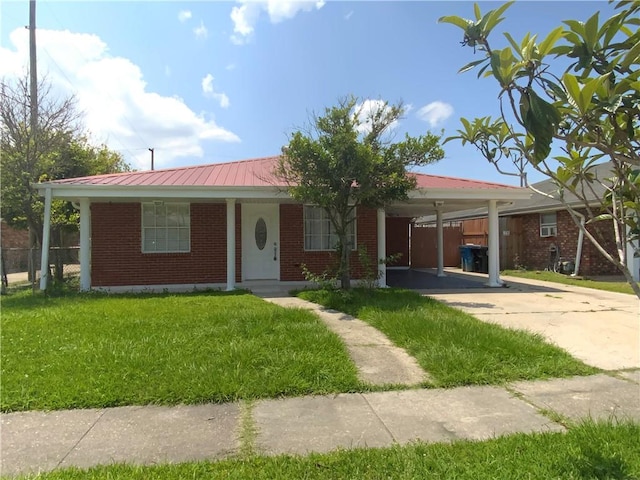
[207,89]
[246,15]
[348,15]
[118,108]
[231,66]
[201,31]
[184,15]
[167,70]
[366,110]
[435,113]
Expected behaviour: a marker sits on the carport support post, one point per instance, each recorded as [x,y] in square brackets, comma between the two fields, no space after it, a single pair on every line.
[231,244]
[494,250]
[382,248]
[440,236]
[85,245]
[46,230]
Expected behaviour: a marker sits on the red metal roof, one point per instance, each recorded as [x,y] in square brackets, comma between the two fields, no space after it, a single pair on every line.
[437,181]
[244,173]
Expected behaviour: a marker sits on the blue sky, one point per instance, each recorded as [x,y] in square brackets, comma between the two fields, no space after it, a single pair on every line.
[204,82]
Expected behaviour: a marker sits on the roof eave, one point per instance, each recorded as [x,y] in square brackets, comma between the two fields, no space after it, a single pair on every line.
[66,191]
[508,194]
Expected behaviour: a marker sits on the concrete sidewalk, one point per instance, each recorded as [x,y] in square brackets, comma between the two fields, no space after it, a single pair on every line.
[42,441]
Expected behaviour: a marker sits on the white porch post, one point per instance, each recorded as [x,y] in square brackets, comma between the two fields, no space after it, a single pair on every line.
[440,242]
[494,247]
[382,248]
[231,244]
[85,244]
[46,230]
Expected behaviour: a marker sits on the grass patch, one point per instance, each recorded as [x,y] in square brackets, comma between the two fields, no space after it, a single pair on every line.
[94,350]
[588,451]
[453,346]
[619,287]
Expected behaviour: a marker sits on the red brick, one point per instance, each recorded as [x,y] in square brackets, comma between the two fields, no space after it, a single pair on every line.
[117,258]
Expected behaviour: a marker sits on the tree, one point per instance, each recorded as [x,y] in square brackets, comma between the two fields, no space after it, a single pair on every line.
[589,109]
[25,151]
[55,149]
[346,159]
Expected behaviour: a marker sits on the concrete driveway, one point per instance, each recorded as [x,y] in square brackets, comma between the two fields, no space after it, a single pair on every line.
[600,328]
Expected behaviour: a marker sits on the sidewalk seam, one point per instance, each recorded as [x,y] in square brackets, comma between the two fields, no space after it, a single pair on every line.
[541,409]
[393,438]
[75,445]
[248,430]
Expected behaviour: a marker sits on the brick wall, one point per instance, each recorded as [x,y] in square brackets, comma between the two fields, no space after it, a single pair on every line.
[13,238]
[397,239]
[293,254]
[117,258]
[535,249]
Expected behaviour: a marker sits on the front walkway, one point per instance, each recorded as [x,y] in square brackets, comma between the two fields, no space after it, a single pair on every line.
[378,360]
[42,441]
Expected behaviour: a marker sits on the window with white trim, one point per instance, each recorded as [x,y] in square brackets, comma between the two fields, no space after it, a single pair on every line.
[166,227]
[548,224]
[319,233]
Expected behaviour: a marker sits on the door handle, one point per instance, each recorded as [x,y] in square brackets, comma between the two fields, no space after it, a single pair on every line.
[275,251]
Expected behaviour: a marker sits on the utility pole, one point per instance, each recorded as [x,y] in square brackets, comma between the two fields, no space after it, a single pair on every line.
[33,151]
[151,150]
[33,69]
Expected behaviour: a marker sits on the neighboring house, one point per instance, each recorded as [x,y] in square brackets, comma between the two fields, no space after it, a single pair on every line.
[15,249]
[229,224]
[538,230]
[13,238]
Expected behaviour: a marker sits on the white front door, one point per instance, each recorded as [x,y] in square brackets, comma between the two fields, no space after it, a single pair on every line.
[260,241]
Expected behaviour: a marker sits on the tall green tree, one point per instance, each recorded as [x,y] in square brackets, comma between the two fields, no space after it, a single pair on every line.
[56,149]
[346,159]
[587,104]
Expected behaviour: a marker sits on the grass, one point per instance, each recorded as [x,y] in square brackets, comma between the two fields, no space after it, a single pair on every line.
[619,287]
[82,351]
[601,450]
[454,347]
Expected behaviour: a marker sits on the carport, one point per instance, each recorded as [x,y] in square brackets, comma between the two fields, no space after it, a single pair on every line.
[437,196]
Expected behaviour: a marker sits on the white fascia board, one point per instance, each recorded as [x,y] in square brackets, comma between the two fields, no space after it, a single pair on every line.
[104,192]
[470,194]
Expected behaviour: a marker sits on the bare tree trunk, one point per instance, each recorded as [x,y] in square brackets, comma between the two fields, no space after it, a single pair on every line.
[3,274]
[345,267]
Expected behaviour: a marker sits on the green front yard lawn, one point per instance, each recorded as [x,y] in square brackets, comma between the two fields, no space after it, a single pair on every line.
[453,346]
[587,451]
[83,351]
[620,287]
